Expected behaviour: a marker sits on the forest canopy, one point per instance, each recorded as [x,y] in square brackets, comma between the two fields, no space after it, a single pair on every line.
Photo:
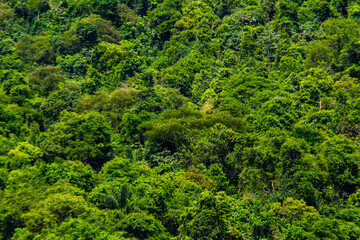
[179,119]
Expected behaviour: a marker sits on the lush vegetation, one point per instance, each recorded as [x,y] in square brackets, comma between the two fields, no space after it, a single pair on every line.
[179,119]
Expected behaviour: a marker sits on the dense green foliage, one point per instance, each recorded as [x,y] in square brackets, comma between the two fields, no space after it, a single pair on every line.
[179,119]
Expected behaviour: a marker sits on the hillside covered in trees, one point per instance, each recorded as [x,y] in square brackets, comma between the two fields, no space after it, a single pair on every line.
[179,119]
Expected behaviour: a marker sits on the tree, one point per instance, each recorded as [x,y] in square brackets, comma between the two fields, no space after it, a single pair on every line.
[80,137]
[314,11]
[286,16]
[341,156]
[208,218]
[164,17]
[55,208]
[24,154]
[106,55]
[74,172]
[315,86]
[345,89]
[7,15]
[122,170]
[112,105]
[319,55]
[87,32]
[35,49]
[59,100]
[108,9]
[143,226]
[10,122]
[45,79]
[174,129]
[354,11]
[17,88]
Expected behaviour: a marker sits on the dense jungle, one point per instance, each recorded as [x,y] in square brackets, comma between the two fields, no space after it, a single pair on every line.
[180,119]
